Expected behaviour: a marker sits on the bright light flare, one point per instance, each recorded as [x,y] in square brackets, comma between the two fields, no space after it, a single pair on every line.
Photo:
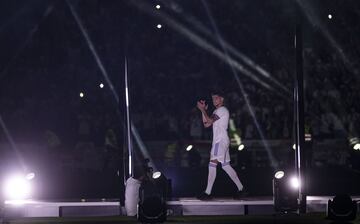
[30,176]
[16,202]
[241,147]
[294,182]
[158,26]
[81,94]
[189,147]
[157,6]
[156,175]
[279,174]
[101,85]
[17,188]
[356,146]
[330,16]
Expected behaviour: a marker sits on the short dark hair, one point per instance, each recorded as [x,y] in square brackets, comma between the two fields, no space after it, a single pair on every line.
[218,92]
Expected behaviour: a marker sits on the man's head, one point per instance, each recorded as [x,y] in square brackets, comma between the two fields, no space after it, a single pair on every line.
[217,98]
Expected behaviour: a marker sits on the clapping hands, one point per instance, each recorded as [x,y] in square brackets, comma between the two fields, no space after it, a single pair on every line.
[201,105]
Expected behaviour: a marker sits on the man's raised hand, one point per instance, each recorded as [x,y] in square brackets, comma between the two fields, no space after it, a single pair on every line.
[201,105]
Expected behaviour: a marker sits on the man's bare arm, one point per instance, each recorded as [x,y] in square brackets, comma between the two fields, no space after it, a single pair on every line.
[207,120]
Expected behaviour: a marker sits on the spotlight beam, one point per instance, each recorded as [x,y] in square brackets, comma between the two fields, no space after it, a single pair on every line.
[200,27]
[47,12]
[312,18]
[199,41]
[13,144]
[274,162]
[142,146]
[15,16]
[108,81]
[93,50]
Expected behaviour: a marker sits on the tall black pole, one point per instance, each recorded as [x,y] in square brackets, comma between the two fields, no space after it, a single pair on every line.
[300,127]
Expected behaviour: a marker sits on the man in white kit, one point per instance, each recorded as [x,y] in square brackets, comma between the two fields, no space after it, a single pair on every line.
[220,143]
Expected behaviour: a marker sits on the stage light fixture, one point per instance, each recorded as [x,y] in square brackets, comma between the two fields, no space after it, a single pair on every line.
[330,16]
[341,208]
[241,147]
[30,176]
[189,147]
[156,175]
[17,187]
[157,6]
[308,137]
[153,194]
[279,174]
[101,85]
[354,143]
[159,26]
[285,197]
[81,94]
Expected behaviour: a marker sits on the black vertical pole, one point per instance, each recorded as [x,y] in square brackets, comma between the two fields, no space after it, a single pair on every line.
[300,127]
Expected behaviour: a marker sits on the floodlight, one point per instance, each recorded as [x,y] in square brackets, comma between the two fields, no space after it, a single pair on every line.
[279,174]
[341,208]
[241,147]
[156,175]
[17,187]
[152,199]
[285,195]
[189,147]
[30,176]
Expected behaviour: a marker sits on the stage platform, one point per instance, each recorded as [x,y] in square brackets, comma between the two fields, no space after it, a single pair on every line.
[178,207]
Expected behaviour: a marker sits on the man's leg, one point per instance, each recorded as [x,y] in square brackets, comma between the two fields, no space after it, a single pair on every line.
[232,174]
[211,176]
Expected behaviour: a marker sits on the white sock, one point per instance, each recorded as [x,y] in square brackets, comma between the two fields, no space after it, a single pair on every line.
[234,177]
[211,177]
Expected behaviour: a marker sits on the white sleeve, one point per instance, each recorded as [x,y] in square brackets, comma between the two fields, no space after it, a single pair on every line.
[222,113]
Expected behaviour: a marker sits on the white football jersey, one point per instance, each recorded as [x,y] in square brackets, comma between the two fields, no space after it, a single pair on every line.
[220,126]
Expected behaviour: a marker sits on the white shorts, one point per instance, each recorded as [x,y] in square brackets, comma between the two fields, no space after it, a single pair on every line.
[220,152]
